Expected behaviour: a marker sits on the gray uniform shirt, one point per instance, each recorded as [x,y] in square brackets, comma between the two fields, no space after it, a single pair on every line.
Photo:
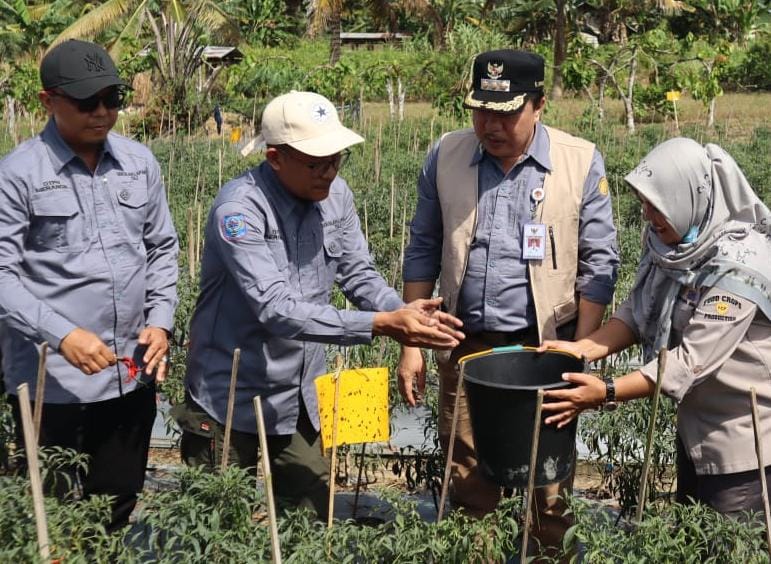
[269,264]
[721,346]
[77,249]
[494,295]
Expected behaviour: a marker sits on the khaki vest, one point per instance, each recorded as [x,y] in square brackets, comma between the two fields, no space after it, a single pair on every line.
[553,279]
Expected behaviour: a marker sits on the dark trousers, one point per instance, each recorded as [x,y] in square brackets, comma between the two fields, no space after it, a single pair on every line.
[730,494]
[115,434]
[300,470]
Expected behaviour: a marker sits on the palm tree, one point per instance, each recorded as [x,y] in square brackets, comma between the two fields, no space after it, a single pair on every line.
[176,29]
[133,15]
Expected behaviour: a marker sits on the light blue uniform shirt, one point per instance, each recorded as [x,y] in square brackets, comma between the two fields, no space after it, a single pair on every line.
[96,251]
[269,264]
[494,294]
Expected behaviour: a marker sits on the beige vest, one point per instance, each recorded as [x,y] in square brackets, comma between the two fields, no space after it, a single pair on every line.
[553,279]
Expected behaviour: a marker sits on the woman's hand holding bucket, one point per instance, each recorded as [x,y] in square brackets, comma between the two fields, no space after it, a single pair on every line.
[565,404]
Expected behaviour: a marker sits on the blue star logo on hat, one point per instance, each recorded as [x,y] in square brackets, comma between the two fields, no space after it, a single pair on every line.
[320,113]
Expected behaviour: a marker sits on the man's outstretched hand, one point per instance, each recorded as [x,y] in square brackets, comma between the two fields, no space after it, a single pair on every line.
[420,324]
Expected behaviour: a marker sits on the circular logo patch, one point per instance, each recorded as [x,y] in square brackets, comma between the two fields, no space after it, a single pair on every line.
[721,308]
[603,186]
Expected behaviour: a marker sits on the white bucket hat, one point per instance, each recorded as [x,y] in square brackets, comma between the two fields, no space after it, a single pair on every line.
[307,122]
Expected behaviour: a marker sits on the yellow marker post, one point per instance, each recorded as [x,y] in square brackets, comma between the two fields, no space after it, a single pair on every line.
[673,96]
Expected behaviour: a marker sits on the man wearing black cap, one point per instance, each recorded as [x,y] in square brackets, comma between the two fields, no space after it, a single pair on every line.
[88,264]
[514,220]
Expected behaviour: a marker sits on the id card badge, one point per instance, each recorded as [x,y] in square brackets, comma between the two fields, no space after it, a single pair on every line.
[534,241]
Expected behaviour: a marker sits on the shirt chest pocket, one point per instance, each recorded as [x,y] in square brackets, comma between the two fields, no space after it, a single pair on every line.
[333,252]
[132,204]
[57,223]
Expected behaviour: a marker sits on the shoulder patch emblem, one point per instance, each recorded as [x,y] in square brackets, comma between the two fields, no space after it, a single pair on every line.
[720,308]
[234,226]
[603,186]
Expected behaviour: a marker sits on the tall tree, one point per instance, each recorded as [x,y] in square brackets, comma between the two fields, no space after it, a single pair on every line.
[132,17]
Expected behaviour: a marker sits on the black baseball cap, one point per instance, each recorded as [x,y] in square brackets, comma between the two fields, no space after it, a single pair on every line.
[502,79]
[80,69]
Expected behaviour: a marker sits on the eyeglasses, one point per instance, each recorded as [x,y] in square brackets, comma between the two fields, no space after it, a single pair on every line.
[112,99]
[320,167]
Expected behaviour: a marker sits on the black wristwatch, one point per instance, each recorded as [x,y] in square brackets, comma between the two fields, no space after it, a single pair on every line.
[610,403]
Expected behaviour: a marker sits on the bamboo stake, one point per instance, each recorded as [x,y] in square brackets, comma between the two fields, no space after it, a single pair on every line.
[761,465]
[198,181]
[404,233]
[219,177]
[40,388]
[231,403]
[190,243]
[366,223]
[275,547]
[531,472]
[30,444]
[451,446]
[378,144]
[391,220]
[333,464]
[198,236]
[662,362]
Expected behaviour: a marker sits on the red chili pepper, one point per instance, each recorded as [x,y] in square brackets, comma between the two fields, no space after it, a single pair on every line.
[132,367]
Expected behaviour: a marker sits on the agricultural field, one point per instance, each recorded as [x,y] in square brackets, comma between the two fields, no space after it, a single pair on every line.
[211,517]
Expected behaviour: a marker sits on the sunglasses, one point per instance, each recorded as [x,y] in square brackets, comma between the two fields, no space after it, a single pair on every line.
[320,168]
[112,99]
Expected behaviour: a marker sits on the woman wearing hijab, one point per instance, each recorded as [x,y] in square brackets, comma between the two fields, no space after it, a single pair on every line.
[703,292]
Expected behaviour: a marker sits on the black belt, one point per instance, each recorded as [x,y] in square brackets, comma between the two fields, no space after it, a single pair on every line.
[526,336]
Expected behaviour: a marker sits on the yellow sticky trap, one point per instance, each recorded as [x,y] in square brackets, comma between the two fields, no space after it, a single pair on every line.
[673,95]
[235,135]
[362,406]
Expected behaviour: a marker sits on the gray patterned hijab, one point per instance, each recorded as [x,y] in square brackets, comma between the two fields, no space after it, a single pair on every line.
[726,233]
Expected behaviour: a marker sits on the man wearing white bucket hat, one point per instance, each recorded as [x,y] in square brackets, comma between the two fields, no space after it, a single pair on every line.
[277,239]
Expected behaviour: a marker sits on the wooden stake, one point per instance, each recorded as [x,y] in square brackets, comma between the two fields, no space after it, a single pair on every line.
[662,362]
[404,235]
[451,447]
[761,465]
[40,388]
[333,464]
[198,235]
[366,223]
[275,548]
[378,144]
[30,445]
[219,177]
[190,243]
[231,403]
[531,473]
[391,220]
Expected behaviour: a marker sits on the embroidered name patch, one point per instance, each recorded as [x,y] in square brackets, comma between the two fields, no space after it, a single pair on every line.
[720,308]
[234,226]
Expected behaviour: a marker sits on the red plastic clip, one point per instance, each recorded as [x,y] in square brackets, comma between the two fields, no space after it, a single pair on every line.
[132,367]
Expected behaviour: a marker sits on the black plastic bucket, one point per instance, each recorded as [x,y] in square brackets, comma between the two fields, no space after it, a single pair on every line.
[502,388]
